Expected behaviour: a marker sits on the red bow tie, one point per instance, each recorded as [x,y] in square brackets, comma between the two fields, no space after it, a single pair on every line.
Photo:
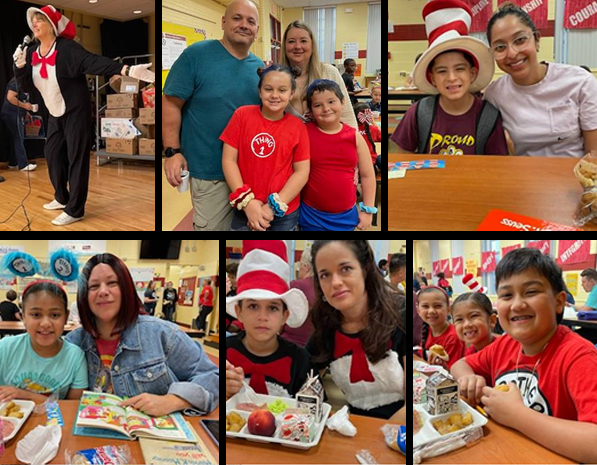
[359,368]
[49,60]
[278,370]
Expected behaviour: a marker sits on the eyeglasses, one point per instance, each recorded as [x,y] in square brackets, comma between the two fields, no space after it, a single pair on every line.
[500,50]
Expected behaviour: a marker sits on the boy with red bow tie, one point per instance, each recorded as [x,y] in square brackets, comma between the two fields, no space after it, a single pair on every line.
[264,303]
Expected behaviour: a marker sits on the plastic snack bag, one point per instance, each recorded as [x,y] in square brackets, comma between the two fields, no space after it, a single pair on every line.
[395,437]
[40,445]
[112,455]
[586,173]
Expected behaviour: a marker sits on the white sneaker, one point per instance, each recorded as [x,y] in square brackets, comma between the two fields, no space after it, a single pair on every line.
[63,219]
[54,205]
[29,167]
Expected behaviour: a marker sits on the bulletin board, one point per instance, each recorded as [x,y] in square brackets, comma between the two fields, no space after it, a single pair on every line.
[192,35]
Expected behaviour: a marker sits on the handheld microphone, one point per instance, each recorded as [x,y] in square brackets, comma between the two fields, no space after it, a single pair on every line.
[26,41]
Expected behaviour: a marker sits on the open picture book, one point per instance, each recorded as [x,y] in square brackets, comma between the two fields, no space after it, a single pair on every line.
[100,415]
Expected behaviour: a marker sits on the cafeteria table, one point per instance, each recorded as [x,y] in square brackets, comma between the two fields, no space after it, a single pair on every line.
[500,445]
[459,196]
[76,443]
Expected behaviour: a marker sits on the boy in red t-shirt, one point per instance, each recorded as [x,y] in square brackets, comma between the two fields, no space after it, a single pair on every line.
[546,367]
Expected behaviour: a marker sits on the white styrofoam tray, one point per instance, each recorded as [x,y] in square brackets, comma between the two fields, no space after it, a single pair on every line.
[428,433]
[276,439]
[27,407]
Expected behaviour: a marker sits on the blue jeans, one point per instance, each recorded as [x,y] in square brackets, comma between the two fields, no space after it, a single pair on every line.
[286,223]
[378,162]
[15,125]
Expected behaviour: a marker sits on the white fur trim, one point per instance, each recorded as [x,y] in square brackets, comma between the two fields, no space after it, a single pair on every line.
[387,388]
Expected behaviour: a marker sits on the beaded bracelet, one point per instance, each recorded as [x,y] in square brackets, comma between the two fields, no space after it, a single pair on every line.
[279,208]
[366,209]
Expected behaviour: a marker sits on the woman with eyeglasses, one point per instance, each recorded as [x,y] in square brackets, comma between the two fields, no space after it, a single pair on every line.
[549,109]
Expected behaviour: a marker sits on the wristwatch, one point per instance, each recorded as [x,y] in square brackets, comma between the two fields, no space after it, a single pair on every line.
[170,152]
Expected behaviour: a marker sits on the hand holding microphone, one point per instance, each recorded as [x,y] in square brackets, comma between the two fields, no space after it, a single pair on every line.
[20,55]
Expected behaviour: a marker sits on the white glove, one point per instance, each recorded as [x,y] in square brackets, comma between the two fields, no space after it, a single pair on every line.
[142,73]
[34,107]
[20,57]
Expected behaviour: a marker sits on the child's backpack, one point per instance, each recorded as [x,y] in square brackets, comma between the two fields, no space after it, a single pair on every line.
[425,114]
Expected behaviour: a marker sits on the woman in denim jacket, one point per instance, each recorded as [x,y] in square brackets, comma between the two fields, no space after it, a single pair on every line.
[151,361]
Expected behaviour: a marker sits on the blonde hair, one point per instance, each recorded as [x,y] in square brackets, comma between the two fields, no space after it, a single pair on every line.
[46,20]
[315,66]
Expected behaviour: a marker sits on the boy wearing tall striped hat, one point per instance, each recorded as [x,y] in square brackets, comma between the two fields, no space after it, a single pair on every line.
[264,303]
[453,121]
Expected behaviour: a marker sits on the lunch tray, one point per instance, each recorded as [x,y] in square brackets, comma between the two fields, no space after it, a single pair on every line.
[27,407]
[276,439]
[428,434]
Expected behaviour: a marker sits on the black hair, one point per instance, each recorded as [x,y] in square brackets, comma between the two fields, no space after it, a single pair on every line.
[511,9]
[521,260]
[232,268]
[481,300]
[293,72]
[589,273]
[418,58]
[425,326]
[321,85]
[45,286]
[397,262]
[383,262]
[347,61]
[441,275]
[359,108]
[586,68]
[11,295]
[467,57]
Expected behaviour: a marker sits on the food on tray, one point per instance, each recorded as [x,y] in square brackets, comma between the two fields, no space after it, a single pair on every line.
[442,394]
[298,427]
[417,422]
[7,428]
[262,423]
[502,387]
[234,422]
[454,423]
[277,407]
[250,407]
[440,352]
[11,410]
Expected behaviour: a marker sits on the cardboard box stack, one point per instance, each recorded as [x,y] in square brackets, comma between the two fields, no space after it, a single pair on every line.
[117,127]
[129,129]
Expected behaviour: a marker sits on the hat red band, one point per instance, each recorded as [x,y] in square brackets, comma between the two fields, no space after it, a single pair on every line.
[262,279]
[458,26]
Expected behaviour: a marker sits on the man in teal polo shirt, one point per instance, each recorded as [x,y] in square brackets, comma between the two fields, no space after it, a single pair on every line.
[589,284]
[207,83]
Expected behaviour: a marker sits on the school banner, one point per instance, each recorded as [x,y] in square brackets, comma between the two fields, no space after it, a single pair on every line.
[537,10]
[580,14]
[488,262]
[543,246]
[505,250]
[458,266]
[482,11]
[570,252]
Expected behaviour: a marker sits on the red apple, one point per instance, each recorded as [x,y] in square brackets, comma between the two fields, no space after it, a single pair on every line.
[262,423]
